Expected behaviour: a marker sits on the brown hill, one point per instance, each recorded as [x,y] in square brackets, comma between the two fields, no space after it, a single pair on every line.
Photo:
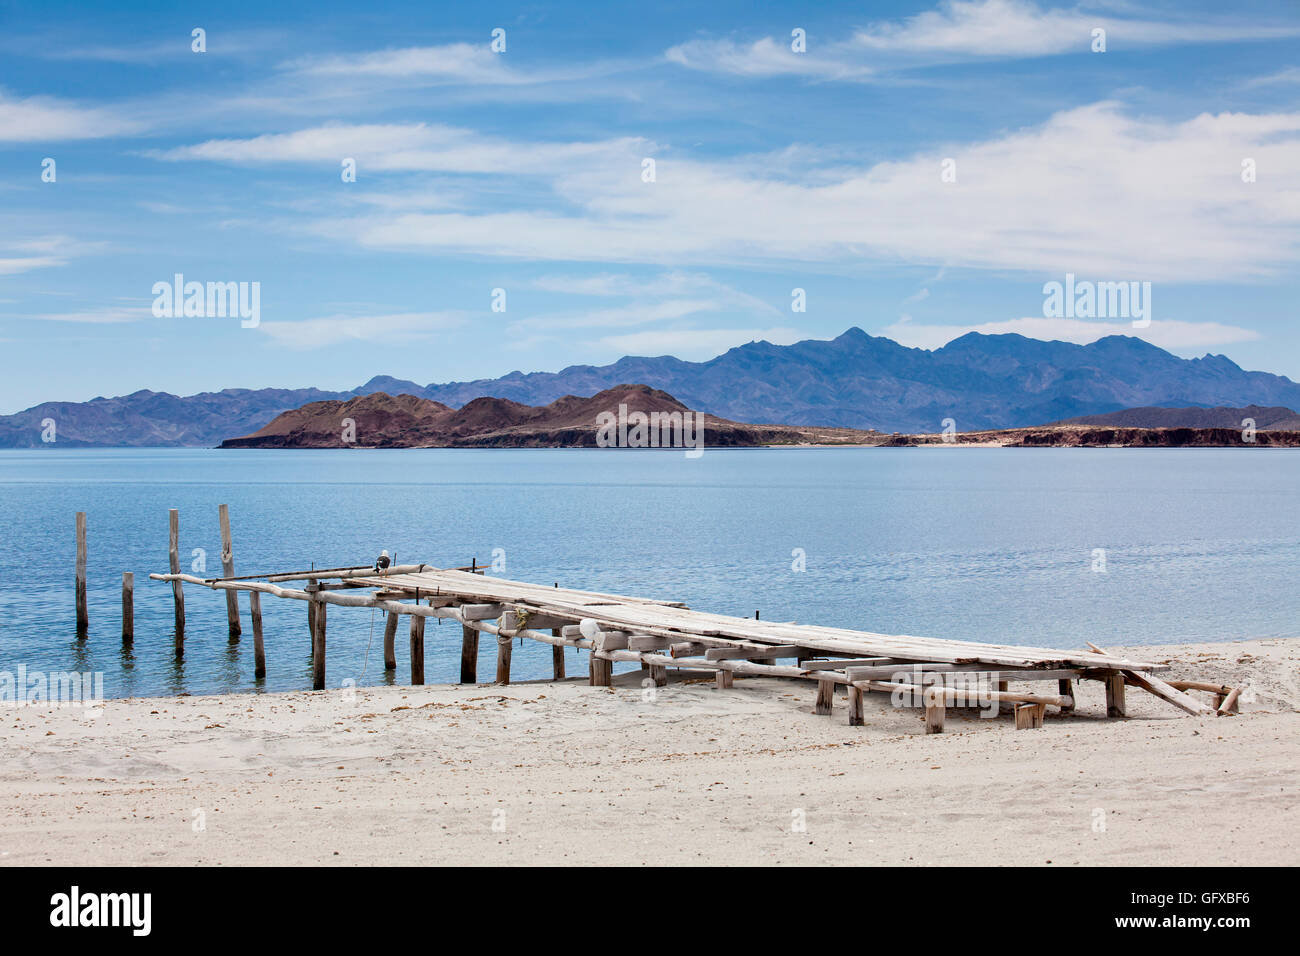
[1274,417]
[404,421]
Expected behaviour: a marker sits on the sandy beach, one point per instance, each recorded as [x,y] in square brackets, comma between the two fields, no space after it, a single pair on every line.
[543,773]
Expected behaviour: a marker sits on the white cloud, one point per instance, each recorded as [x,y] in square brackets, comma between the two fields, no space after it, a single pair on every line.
[451,63]
[1092,190]
[1167,333]
[18,265]
[963,29]
[331,330]
[47,119]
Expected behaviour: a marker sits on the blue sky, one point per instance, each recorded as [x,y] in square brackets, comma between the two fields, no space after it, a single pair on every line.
[522,170]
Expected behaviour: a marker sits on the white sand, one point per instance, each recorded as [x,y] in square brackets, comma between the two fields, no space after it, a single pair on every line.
[576,774]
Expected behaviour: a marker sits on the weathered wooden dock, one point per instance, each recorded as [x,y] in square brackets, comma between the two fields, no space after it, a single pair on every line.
[661,635]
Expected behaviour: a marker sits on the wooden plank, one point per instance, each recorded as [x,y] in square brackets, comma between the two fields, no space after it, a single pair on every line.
[178,595]
[468,655]
[390,641]
[83,617]
[259,649]
[1154,685]
[128,607]
[754,653]
[417,649]
[228,570]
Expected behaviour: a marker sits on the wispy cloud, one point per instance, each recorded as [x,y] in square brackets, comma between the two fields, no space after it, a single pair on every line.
[48,119]
[331,330]
[962,30]
[1148,199]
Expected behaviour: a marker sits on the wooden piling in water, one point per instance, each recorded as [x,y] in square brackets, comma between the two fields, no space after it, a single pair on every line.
[468,655]
[557,655]
[318,646]
[83,618]
[228,570]
[128,607]
[311,587]
[178,594]
[259,650]
[417,649]
[390,642]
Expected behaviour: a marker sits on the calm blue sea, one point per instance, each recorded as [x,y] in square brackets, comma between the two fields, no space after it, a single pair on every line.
[981,544]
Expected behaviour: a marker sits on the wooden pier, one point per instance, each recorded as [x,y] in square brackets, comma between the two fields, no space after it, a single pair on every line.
[660,635]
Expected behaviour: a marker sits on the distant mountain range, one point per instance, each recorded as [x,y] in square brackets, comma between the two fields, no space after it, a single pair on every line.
[855,380]
[379,420]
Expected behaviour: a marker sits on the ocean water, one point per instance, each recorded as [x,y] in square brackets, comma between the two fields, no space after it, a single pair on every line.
[997,545]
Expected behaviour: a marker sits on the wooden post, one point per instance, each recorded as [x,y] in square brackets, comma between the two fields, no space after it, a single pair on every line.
[1065,689]
[318,647]
[1115,696]
[1030,716]
[855,706]
[417,649]
[228,569]
[723,679]
[83,619]
[311,613]
[1003,706]
[659,674]
[505,646]
[602,671]
[259,650]
[390,642]
[128,607]
[825,696]
[934,710]
[178,593]
[557,656]
[468,655]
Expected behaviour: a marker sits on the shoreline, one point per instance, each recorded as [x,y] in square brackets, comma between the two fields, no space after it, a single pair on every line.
[540,772]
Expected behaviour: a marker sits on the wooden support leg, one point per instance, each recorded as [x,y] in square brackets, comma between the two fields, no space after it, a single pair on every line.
[311,614]
[934,711]
[417,649]
[228,569]
[659,674]
[1115,696]
[1066,689]
[259,649]
[178,592]
[468,655]
[1003,706]
[83,619]
[825,696]
[1030,716]
[722,679]
[128,607]
[318,648]
[505,646]
[390,641]
[855,706]
[557,655]
[602,671]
